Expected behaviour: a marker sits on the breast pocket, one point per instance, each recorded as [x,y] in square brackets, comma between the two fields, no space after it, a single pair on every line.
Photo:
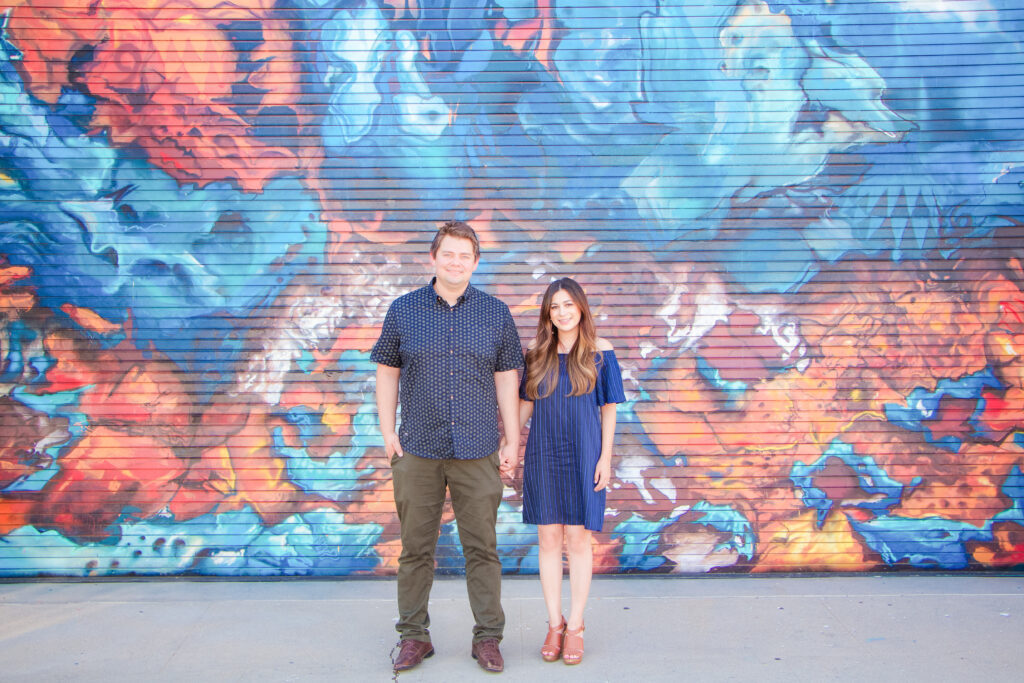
[479,344]
[420,347]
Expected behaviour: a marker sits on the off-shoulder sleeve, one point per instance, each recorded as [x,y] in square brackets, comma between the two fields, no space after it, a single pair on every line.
[609,381]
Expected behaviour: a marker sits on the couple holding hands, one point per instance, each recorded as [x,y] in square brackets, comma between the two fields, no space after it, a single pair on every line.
[449,354]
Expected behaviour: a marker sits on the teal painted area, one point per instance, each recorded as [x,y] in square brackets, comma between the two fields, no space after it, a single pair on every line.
[732,521]
[878,491]
[230,543]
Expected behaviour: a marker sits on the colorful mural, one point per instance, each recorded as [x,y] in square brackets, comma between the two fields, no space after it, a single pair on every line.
[801,223]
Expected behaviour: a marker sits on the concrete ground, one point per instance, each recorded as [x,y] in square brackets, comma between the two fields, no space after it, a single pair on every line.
[863,628]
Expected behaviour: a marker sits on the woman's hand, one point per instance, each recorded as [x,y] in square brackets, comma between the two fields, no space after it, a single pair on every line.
[603,473]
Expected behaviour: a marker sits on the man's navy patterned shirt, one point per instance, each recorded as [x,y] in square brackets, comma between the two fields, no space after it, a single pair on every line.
[448,356]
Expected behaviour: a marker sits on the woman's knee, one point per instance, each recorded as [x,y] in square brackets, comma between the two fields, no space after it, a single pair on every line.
[577,540]
[550,537]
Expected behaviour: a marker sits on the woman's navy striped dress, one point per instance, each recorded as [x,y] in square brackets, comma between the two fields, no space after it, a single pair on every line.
[564,446]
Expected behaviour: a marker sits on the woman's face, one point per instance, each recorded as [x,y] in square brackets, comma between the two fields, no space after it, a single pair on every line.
[565,314]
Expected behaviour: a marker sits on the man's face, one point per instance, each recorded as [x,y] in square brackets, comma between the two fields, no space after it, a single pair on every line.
[454,262]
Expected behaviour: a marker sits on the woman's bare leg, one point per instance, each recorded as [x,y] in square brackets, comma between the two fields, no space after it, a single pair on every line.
[549,557]
[581,569]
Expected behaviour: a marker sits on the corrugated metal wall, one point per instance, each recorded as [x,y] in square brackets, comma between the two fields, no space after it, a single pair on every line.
[800,223]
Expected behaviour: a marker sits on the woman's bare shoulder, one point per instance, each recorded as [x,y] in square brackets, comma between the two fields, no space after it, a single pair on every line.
[531,344]
[604,345]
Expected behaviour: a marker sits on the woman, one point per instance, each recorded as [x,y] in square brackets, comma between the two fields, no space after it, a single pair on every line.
[571,385]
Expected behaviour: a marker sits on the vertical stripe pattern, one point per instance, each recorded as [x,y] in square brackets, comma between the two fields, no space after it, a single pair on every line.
[563,448]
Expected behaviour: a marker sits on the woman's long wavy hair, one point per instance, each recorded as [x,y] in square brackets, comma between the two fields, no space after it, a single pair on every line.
[583,357]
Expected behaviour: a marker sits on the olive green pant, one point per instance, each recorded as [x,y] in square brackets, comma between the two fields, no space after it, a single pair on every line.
[476,489]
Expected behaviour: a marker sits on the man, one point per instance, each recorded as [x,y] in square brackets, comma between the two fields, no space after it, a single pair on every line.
[457,353]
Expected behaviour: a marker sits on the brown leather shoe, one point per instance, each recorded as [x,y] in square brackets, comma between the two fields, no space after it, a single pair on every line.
[488,656]
[412,653]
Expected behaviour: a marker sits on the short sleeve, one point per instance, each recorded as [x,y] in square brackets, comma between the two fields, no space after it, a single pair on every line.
[522,388]
[386,350]
[609,381]
[510,350]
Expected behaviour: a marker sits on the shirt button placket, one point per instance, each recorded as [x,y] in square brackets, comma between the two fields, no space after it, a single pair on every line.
[451,371]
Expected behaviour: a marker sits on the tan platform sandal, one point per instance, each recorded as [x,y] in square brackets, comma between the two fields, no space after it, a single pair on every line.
[551,650]
[572,646]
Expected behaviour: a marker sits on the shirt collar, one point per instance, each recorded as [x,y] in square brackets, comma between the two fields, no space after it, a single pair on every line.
[438,299]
